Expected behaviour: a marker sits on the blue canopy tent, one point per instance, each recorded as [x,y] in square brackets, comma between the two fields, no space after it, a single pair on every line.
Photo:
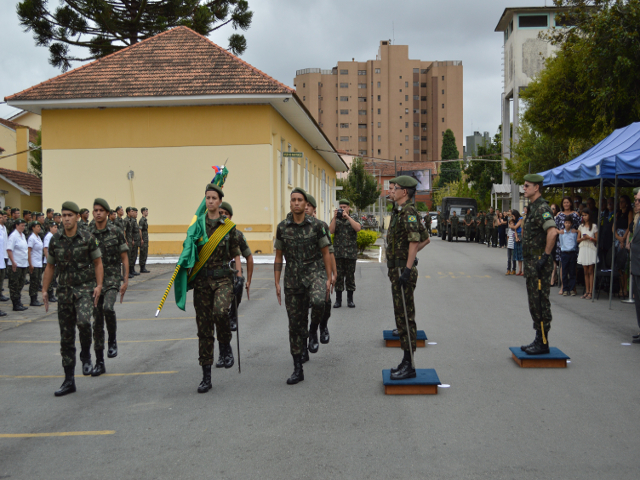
[615,161]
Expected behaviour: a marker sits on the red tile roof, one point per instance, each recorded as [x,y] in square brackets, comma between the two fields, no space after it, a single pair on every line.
[27,181]
[33,133]
[178,62]
[387,169]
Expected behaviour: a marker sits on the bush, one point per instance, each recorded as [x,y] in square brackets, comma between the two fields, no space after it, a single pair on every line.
[366,238]
[422,207]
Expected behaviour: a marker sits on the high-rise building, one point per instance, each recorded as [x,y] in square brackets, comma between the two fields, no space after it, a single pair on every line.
[390,107]
[477,140]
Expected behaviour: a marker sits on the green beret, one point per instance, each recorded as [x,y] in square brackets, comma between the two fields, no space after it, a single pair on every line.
[405,181]
[49,210]
[20,220]
[215,188]
[344,201]
[227,206]
[26,212]
[57,214]
[71,206]
[103,203]
[7,208]
[636,190]
[83,210]
[14,210]
[128,209]
[312,201]
[54,224]
[144,209]
[39,214]
[534,178]
[33,224]
[134,209]
[302,192]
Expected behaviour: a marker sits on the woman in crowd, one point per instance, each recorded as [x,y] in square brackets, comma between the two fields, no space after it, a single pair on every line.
[565,212]
[502,230]
[554,279]
[517,247]
[624,218]
[34,254]
[587,239]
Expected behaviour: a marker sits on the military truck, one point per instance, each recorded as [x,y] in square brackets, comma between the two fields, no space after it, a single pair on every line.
[460,206]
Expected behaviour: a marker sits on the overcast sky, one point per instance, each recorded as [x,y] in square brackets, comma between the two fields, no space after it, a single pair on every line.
[287,35]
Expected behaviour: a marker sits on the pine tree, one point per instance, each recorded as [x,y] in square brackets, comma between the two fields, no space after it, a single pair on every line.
[449,171]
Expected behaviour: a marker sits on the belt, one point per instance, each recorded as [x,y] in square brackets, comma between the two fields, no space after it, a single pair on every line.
[397,263]
[568,251]
[218,272]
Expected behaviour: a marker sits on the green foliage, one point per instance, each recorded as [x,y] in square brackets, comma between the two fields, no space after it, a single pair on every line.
[360,187]
[482,175]
[449,171]
[366,238]
[421,207]
[35,157]
[453,189]
[106,26]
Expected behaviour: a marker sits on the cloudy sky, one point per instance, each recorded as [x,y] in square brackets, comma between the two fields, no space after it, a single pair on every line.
[287,35]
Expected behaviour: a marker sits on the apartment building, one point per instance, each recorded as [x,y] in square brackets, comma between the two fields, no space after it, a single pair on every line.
[390,107]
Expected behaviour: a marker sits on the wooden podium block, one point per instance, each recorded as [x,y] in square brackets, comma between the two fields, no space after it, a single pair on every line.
[391,340]
[425,383]
[554,359]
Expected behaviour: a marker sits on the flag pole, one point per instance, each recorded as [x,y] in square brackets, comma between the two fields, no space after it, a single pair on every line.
[166,292]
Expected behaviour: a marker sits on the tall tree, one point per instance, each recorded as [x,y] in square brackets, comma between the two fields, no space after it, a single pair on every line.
[482,174]
[449,171]
[106,26]
[360,187]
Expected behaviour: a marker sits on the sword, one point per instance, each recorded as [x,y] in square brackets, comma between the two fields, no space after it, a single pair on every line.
[406,319]
[235,301]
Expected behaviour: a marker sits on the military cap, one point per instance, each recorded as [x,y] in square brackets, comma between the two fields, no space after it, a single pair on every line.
[33,224]
[312,201]
[54,224]
[128,209]
[302,192]
[14,210]
[344,201]
[118,207]
[83,210]
[57,214]
[39,214]
[144,209]
[20,220]
[102,202]
[71,206]
[636,190]
[405,181]
[7,208]
[215,188]
[49,210]
[26,212]
[227,206]
[134,209]
[534,178]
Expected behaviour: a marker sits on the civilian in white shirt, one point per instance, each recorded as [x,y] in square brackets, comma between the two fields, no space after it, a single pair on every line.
[53,229]
[18,253]
[3,255]
[34,243]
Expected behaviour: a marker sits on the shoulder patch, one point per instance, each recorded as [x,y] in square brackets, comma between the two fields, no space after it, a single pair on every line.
[411,219]
[547,216]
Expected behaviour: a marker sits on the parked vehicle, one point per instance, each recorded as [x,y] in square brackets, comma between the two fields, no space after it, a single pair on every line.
[460,206]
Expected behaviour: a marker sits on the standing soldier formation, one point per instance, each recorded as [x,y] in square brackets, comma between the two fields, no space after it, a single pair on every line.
[144,243]
[468,224]
[345,231]
[454,221]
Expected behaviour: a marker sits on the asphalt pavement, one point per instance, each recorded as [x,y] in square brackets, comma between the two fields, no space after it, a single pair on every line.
[145,420]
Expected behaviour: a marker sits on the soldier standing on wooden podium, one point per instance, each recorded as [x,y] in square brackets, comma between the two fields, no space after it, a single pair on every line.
[538,242]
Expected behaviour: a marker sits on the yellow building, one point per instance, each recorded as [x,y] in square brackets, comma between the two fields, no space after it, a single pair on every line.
[15,141]
[20,190]
[144,126]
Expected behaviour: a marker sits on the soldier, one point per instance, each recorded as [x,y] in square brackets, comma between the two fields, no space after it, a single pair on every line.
[75,252]
[84,218]
[40,219]
[136,240]
[57,218]
[112,219]
[480,227]
[345,239]
[490,227]
[214,288]
[307,276]
[18,253]
[538,242]
[403,242]
[453,221]
[48,221]
[144,243]
[120,221]
[11,223]
[113,247]
[26,214]
[128,235]
[427,221]
[310,210]
[468,223]
[35,248]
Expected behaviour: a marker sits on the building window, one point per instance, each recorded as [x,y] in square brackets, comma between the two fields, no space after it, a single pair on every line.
[406,84]
[344,85]
[378,84]
[362,85]
[386,182]
[533,21]
[416,138]
[362,72]
[423,85]
[303,85]
[379,110]
[344,139]
[362,112]
[415,124]
[406,151]
[324,185]
[423,112]
[344,125]
[400,77]
[416,151]
[406,110]
[416,97]
[416,70]
[424,126]
[344,99]
[443,91]
[406,124]
[362,139]
[379,154]
[377,70]
[406,137]
[423,152]
[442,119]
[416,84]
[424,99]
[443,105]
[443,134]
[378,97]
[379,124]
[379,138]
[362,125]
[443,78]
[362,152]
[344,112]
[362,99]
[416,110]
[304,98]
[424,70]
[424,139]
[344,72]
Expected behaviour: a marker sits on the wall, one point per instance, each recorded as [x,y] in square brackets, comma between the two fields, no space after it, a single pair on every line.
[8,142]
[16,199]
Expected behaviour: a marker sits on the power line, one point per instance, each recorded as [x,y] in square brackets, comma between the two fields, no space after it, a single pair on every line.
[18,153]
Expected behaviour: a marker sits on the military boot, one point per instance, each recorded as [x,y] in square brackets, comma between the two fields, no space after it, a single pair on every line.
[541,344]
[538,337]
[324,329]
[405,358]
[113,347]
[99,367]
[350,303]
[85,358]
[133,271]
[404,370]
[3,314]
[233,317]
[3,298]
[305,353]
[205,384]
[52,297]
[298,373]
[143,269]
[220,362]
[338,303]
[69,384]
[313,339]
[17,306]
[35,302]
[228,356]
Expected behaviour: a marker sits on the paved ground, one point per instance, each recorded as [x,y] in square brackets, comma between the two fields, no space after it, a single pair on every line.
[495,421]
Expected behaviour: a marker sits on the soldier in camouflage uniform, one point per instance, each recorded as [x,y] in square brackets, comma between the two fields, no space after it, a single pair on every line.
[539,235]
[136,240]
[403,243]
[84,218]
[144,243]
[345,230]
[480,228]
[11,223]
[120,221]
[490,229]
[34,242]
[112,219]
[48,220]
[468,223]
[453,221]
[76,254]
[26,214]
[307,277]
[128,235]
[114,251]
[57,218]
[214,289]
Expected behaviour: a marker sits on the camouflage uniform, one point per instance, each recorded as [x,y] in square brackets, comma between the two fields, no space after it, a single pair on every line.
[481,228]
[245,251]
[454,219]
[534,241]
[326,310]
[10,225]
[403,229]
[427,222]
[468,222]
[120,223]
[491,231]
[345,244]
[73,257]
[83,224]
[16,279]
[144,248]
[47,224]
[213,293]
[112,244]
[135,243]
[305,276]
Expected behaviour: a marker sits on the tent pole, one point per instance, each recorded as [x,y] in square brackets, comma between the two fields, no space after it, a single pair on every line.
[613,247]
[595,269]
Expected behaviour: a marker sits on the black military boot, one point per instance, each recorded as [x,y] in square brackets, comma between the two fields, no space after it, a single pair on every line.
[205,384]
[324,329]
[35,302]
[69,384]
[130,274]
[405,358]
[99,368]
[3,314]
[350,303]
[228,356]
[305,353]
[85,358]
[17,306]
[338,303]
[538,336]
[404,370]
[113,347]
[52,297]
[233,317]
[3,298]
[133,271]
[313,339]
[143,269]
[298,373]
[220,362]
[541,344]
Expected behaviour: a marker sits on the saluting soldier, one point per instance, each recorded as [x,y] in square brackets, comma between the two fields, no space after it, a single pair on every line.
[345,230]
[213,287]
[453,221]
[403,243]
[307,275]
[538,242]
[144,242]
[468,222]
[113,247]
[76,254]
